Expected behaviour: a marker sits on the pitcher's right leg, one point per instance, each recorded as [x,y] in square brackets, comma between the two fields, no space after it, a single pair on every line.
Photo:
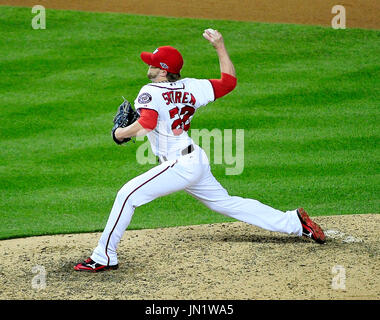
[209,191]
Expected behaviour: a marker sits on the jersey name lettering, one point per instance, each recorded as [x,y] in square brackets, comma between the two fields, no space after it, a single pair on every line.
[179,97]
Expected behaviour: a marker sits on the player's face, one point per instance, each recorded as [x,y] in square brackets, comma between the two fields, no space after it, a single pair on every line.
[153,73]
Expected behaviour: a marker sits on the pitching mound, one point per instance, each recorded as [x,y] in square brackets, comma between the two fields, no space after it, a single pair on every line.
[217,261]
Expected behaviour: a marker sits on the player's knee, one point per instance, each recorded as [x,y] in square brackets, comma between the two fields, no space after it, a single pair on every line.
[126,197]
[225,206]
[215,206]
[124,193]
[121,194]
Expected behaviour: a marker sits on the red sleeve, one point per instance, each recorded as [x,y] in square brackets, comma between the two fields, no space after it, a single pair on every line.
[148,118]
[222,86]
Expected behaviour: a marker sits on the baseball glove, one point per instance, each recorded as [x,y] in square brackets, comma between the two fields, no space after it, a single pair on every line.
[124,117]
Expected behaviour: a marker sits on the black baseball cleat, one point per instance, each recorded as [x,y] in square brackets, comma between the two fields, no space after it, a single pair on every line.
[91,266]
[309,228]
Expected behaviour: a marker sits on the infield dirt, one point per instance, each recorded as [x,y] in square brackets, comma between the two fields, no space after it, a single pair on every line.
[359,13]
[217,261]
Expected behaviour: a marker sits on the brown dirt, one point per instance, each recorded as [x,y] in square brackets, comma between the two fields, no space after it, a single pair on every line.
[217,261]
[359,13]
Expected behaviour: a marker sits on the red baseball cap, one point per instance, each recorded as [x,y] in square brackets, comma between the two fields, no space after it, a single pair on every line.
[166,58]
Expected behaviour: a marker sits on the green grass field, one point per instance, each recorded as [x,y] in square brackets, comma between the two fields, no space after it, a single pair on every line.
[307,98]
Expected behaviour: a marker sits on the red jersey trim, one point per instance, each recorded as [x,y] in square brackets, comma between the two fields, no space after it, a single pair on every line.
[148,118]
[222,86]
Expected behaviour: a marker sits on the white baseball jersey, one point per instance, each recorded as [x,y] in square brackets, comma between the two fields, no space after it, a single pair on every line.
[175,103]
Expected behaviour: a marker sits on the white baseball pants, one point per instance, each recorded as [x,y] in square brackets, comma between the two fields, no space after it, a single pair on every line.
[192,174]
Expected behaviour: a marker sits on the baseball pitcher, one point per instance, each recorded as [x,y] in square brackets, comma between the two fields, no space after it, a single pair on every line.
[164,110]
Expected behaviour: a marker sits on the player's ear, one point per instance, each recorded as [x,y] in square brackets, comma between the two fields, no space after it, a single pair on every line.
[164,73]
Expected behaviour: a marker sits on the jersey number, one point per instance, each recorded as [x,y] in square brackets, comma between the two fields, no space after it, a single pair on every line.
[182,123]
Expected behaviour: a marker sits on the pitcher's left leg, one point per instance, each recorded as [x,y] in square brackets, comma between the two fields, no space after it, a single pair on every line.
[157,182]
